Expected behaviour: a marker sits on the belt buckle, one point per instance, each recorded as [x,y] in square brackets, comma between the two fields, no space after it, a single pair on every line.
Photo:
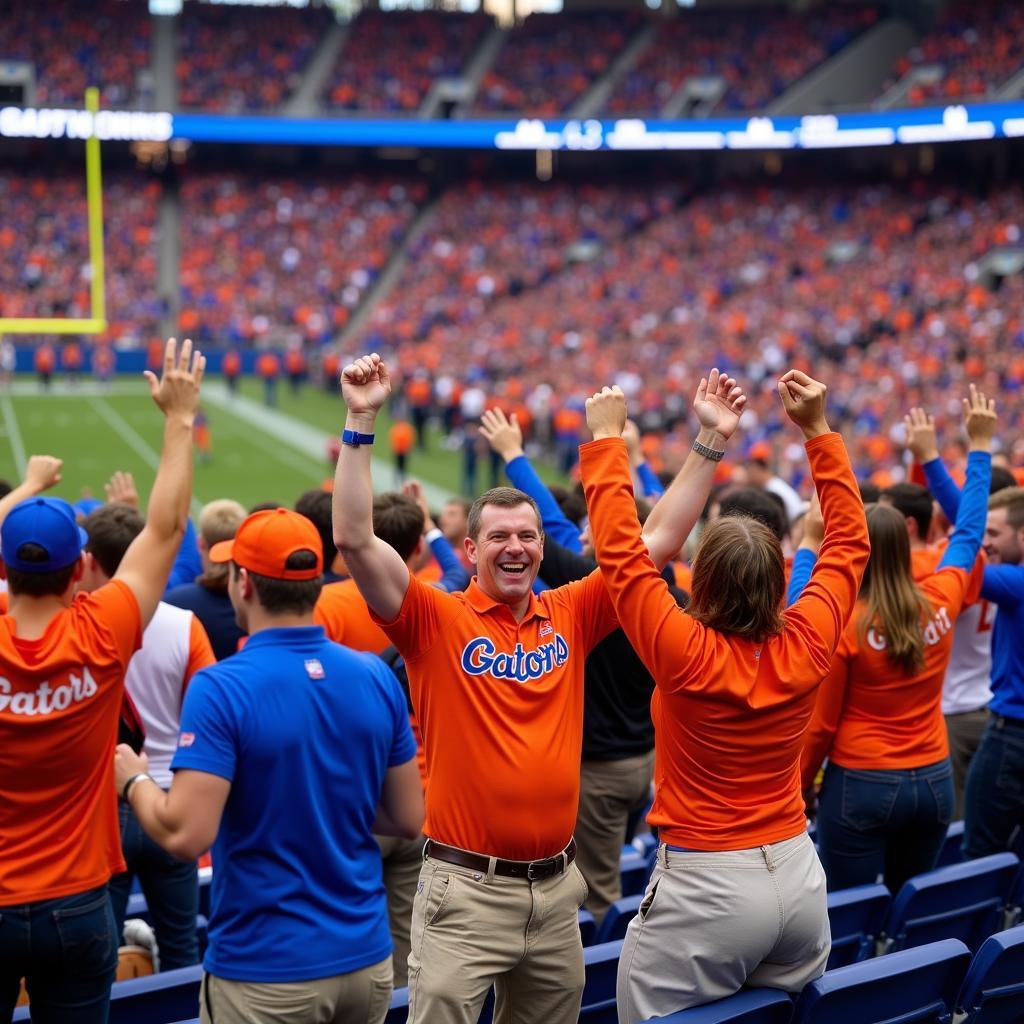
[530,876]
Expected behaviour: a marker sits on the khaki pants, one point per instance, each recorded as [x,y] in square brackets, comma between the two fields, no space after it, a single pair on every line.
[471,930]
[609,792]
[964,731]
[360,997]
[713,922]
[402,860]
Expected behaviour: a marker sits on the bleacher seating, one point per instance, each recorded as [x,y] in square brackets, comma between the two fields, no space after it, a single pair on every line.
[751,1006]
[588,927]
[856,917]
[601,964]
[633,873]
[615,922]
[962,901]
[915,986]
[993,991]
[951,852]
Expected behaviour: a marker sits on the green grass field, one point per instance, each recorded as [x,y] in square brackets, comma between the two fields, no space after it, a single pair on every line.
[258,454]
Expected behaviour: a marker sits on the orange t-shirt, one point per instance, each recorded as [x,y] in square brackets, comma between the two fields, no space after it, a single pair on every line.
[342,611]
[268,365]
[729,714]
[60,697]
[870,713]
[402,438]
[924,561]
[500,704]
[44,359]
[232,365]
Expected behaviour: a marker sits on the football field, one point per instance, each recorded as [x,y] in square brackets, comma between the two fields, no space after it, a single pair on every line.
[258,454]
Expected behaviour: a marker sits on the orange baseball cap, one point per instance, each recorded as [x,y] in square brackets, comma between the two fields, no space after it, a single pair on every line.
[266,540]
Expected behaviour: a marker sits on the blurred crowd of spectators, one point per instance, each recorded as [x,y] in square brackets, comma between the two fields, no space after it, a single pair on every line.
[879,283]
[390,60]
[758,57]
[548,63]
[77,43]
[45,240]
[979,44]
[238,59]
[270,259]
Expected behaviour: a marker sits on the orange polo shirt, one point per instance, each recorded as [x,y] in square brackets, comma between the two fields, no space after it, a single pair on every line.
[870,713]
[342,611]
[500,705]
[60,696]
[729,714]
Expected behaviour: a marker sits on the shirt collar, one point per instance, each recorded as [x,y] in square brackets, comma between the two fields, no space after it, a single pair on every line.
[484,603]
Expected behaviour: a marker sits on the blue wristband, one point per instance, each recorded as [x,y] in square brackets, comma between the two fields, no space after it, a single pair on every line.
[354,439]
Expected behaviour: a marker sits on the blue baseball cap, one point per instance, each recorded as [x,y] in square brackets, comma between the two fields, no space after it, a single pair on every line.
[48,522]
[84,506]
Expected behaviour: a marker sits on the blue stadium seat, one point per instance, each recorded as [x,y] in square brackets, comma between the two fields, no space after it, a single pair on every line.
[915,986]
[993,992]
[633,873]
[601,964]
[856,917]
[962,901]
[399,1007]
[620,913]
[157,998]
[950,852]
[1015,901]
[644,842]
[751,1006]
[588,927]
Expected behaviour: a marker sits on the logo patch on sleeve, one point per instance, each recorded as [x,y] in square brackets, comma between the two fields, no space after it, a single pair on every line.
[314,669]
[186,739]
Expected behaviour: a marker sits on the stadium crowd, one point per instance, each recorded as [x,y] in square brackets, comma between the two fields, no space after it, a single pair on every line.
[493,690]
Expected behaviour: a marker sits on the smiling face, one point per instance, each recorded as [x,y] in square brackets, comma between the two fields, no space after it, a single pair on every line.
[507,552]
[1002,540]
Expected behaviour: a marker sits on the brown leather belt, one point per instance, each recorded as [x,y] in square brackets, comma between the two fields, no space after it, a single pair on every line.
[531,870]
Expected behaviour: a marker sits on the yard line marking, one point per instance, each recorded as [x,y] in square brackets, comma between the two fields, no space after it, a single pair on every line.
[14,435]
[130,436]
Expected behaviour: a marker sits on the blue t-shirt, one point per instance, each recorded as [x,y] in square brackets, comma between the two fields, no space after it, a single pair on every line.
[305,730]
[1003,585]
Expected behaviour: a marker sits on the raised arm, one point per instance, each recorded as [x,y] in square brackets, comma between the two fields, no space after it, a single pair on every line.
[719,403]
[506,439]
[380,574]
[147,563]
[41,473]
[921,443]
[807,553]
[454,575]
[650,485]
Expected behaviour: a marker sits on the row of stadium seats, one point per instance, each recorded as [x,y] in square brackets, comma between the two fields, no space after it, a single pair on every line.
[236,60]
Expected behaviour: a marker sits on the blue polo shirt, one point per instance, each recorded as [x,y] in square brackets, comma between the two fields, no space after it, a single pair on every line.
[305,730]
[1004,586]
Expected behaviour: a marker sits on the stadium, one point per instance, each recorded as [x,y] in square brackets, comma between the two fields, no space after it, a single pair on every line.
[515,203]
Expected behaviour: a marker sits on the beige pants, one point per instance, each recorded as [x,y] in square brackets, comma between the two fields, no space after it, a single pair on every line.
[713,922]
[360,997]
[609,792]
[471,930]
[402,860]
[964,731]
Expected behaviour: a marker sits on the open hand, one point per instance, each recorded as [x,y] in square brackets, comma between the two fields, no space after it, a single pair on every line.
[606,413]
[719,403]
[120,488]
[504,435]
[177,390]
[920,441]
[414,489]
[980,419]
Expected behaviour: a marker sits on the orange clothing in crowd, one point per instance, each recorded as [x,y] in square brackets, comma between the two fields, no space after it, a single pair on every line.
[402,438]
[72,356]
[870,713]
[295,362]
[268,365]
[59,701]
[44,359]
[500,704]
[232,364]
[343,613]
[924,561]
[729,714]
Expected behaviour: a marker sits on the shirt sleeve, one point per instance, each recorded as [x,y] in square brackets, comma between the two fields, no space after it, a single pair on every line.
[649,482]
[453,573]
[200,653]
[828,712]
[113,613]
[208,741]
[943,487]
[1003,585]
[424,614]
[800,574]
[555,522]
[818,618]
[969,529]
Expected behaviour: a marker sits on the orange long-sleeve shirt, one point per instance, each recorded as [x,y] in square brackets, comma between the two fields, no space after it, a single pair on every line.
[729,714]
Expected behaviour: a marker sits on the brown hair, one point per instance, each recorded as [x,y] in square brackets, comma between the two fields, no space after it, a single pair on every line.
[398,521]
[503,497]
[1012,499]
[111,530]
[38,584]
[739,579]
[893,601]
[291,597]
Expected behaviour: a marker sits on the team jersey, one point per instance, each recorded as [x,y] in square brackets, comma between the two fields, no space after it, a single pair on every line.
[342,611]
[729,713]
[871,713]
[500,706]
[60,698]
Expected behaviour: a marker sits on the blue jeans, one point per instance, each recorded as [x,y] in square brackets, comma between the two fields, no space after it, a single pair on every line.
[994,795]
[66,950]
[171,888]
[889,823]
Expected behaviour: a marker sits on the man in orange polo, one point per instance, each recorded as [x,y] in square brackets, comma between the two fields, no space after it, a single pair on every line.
[496,677]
